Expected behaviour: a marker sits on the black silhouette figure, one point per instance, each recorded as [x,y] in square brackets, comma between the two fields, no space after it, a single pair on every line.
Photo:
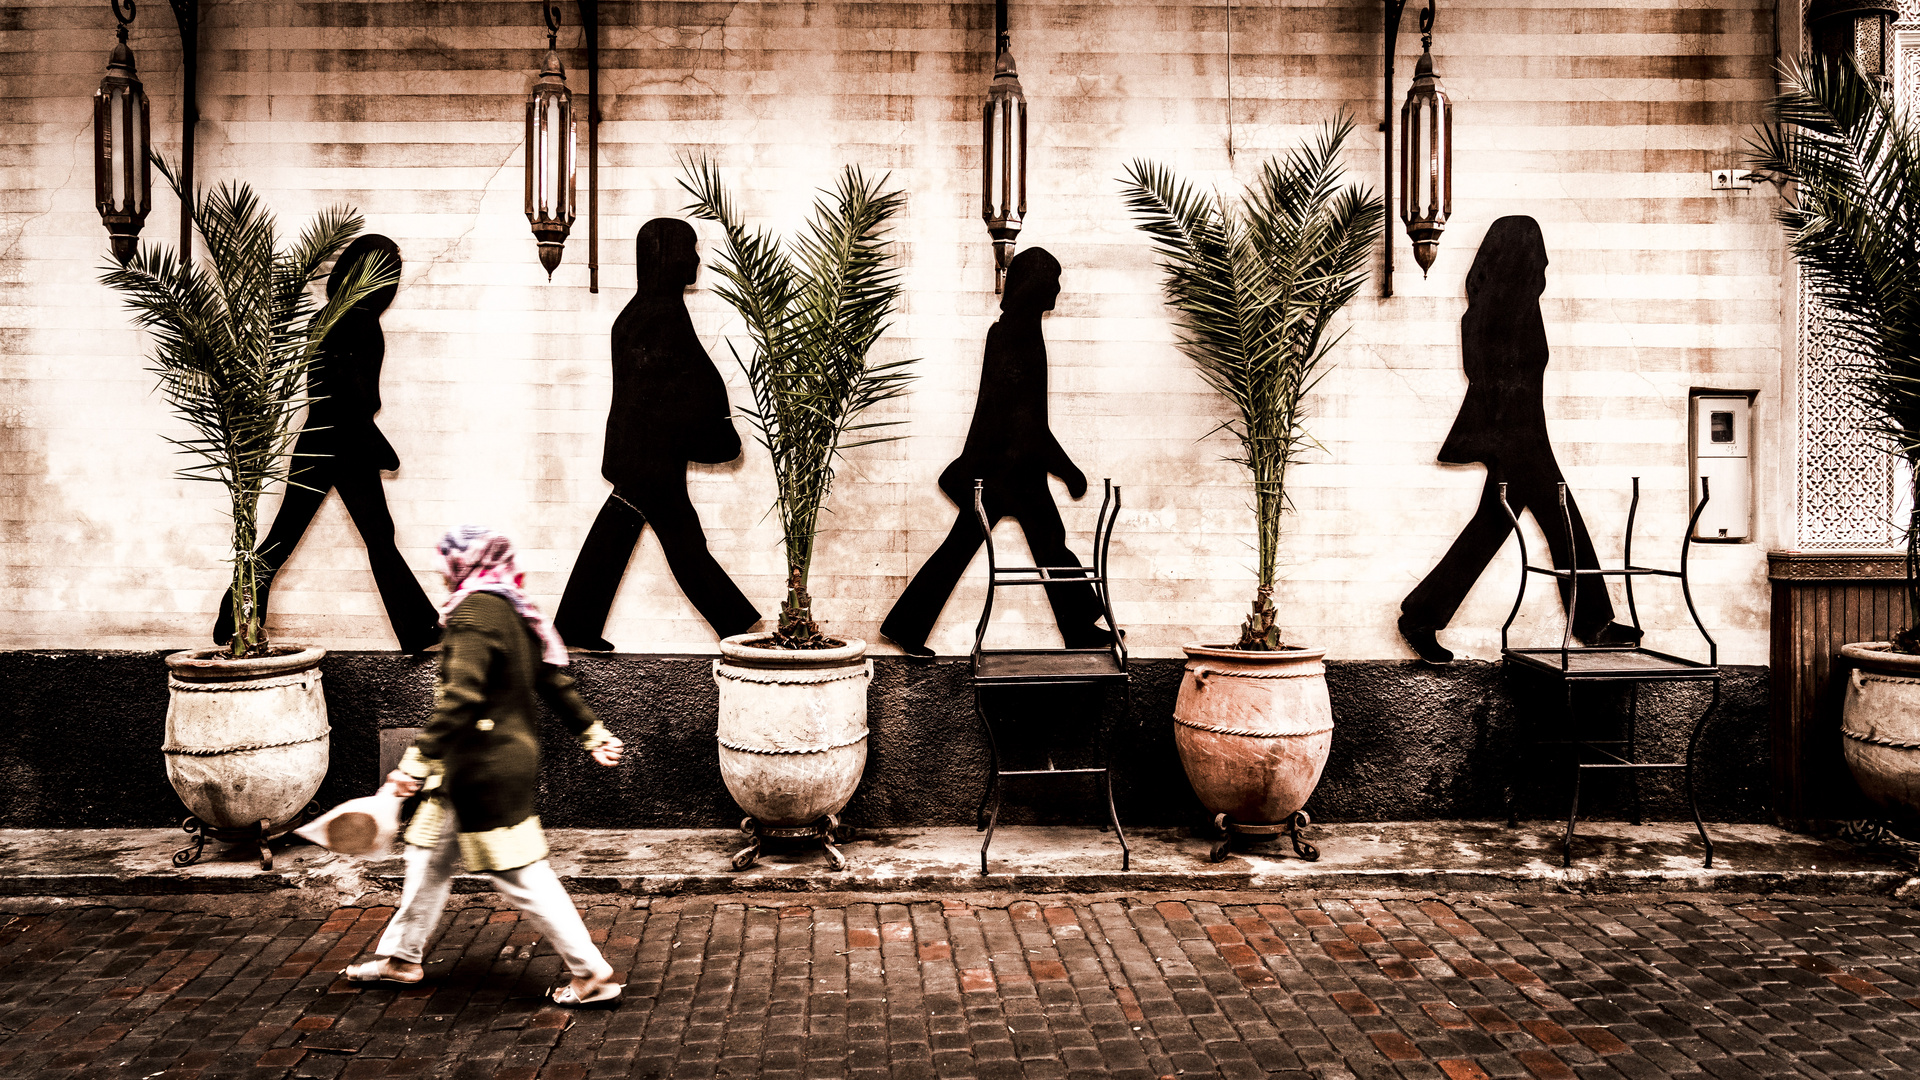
[669,408]
[1011,449]
[350,455]
[1503,424]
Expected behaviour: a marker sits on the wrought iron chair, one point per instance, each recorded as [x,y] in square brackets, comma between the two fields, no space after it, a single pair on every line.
[997,670]
[1571,665]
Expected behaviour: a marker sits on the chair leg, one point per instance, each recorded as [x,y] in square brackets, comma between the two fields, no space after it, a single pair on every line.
[1573,812]
[1693,798]
[1573,815]
[993,818]
[1633,726]
[992,790]
[1106,778]
[1517,753]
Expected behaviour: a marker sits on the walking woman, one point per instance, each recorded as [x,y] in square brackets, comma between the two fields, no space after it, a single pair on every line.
[478,760]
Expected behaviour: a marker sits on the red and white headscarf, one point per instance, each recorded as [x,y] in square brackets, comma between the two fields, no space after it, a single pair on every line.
[479,560]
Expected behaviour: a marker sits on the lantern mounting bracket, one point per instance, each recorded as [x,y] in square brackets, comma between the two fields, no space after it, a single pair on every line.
[187,14]
[590,27]
[124,11]
[1391,10]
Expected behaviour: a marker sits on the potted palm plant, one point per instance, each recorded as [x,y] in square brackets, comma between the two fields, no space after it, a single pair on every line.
[231,340]
[793,702]
[1853,159]
[1255,286]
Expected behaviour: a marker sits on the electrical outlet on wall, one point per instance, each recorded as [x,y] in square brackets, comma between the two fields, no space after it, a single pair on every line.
[1731,179]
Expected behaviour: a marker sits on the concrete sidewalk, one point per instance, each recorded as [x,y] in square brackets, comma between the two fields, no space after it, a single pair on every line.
[1419,856]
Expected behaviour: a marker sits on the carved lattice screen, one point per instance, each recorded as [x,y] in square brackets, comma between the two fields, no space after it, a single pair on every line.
[1847,490]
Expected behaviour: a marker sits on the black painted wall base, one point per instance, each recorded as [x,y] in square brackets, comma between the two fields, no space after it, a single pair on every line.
[83,731]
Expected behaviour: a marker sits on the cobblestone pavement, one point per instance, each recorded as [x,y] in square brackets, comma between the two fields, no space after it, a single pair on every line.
[1285,985]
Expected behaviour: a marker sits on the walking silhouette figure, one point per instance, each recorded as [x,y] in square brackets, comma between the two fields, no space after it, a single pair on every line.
[350,453]
[669,408]
[1011,450]
[1503,425]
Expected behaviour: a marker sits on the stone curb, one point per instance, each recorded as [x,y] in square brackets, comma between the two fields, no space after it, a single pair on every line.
[1398,857]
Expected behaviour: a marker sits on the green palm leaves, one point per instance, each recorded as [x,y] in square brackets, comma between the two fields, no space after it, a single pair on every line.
[1255,287]
[812,313]
[232,340]
[1854,225]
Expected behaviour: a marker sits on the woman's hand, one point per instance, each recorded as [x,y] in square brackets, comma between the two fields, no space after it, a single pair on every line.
[403,785]
[608,753]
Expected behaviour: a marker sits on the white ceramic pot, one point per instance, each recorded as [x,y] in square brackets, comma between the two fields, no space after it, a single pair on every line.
[1880,726]
[246,739]
[793,728]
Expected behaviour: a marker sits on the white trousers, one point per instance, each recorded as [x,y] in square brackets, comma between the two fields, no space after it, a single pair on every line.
[533,889]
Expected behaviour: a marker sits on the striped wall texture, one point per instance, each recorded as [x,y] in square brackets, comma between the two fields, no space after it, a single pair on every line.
[1601,121]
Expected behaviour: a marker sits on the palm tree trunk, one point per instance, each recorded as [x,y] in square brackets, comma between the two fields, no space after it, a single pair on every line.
[249,620]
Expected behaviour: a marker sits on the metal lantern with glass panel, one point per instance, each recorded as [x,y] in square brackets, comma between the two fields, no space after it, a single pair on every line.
[550,151]
[121,178]
[1426,154]
[1003,151]
[1862,29]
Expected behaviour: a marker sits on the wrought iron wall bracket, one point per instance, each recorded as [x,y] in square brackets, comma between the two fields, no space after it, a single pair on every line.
[187,14]
[590,28]
[1391,11]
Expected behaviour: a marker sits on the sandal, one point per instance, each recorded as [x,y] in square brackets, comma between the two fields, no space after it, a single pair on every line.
[606,996]
[375,973]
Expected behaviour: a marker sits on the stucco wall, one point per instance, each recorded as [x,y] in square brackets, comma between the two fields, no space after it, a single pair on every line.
[1600,121]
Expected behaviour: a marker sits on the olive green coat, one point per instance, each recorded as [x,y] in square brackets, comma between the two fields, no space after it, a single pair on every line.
[480,754]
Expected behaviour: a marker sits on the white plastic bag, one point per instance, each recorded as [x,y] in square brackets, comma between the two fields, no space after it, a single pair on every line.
[363,826]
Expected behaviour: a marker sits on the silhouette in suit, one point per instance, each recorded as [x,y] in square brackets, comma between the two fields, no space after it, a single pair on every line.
[1503,424]
[349,455]
[669,408]
[1011,449]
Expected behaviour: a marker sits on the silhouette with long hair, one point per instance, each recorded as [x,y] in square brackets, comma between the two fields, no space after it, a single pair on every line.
[1503,425]
[1010,448]
[669,408]
[346,452]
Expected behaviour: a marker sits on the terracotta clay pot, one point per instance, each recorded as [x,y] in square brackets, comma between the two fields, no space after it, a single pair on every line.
[246,744]
[793,737]
[1880,726]
[1254,730]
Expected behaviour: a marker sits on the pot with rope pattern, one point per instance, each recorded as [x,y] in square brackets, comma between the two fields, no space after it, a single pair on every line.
[1880,726]
[246,743]
[1254,730]
[793,738]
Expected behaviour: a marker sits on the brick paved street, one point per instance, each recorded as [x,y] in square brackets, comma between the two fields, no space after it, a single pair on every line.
[1284,985]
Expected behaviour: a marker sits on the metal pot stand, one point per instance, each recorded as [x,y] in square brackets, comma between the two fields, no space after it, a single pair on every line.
[200,833]
[1225,829]
[828,832]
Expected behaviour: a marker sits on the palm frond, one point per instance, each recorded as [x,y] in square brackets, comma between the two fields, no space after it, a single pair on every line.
[814,310]
[1256,286]
[232,342]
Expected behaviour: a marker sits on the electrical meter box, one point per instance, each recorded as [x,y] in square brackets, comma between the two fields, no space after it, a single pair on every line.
[1721,451]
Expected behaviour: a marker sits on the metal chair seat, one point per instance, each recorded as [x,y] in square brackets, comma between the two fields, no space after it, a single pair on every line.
[1047,667]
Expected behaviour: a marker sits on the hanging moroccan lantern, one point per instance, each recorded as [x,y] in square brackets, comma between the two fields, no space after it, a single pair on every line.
[1003,151]
[1426,154]
[1862,29]
[121,178]
[550,151]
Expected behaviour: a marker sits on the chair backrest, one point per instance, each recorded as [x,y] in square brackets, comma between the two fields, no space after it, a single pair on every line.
[1000,577]
[1627,572]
